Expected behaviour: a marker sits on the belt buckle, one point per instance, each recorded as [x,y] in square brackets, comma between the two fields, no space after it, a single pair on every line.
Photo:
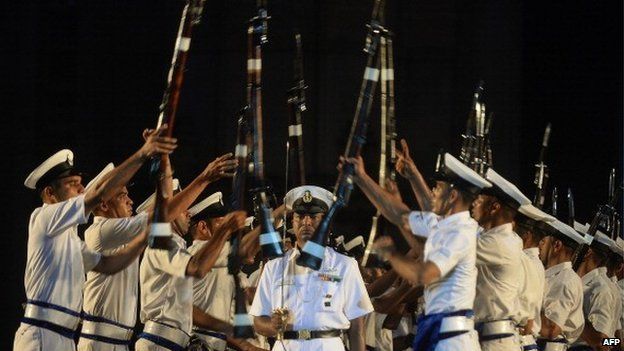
[305,334]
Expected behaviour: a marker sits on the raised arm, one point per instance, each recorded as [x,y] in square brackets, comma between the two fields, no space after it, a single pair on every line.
[124,257]
[121,175]
[390,207]
[406,167]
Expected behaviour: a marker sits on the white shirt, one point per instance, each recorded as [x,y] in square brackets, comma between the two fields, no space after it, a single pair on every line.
[317,300]
[113,296]
[500,275]
[57,258]
[451,246]
[599,304]
[563,300]
[620,285]
[166,291]
[214,293]
[532,294]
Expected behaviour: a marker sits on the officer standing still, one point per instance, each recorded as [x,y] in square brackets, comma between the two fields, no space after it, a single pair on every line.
[305,309]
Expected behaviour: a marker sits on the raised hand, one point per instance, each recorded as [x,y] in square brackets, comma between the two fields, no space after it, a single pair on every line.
[156,144]
[231,222]
[357,162]
[405,166]
[222,166]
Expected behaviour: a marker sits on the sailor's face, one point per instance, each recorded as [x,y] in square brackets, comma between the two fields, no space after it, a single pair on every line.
[121,204]
[480,208]
[68,187]
[304,225]
[182,222]
[544,246]
[439,200]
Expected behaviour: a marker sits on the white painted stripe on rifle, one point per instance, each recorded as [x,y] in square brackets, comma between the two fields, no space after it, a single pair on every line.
[185,44]
[314,249]
[240,150]
[269,238]
[295,130]
[371,74]
[160,229]
[387,74]
[242,320]
[254,64]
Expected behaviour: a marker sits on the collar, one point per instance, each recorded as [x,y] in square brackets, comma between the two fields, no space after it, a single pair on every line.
[454,218]
[503,229]
[98,219]
[591,276]
[532,252]
[556,269]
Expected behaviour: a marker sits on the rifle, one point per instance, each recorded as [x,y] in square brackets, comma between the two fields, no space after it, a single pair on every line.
[570,208]
[388,133]
[554,198]
[160,230]
[296,107]
[604,211]
[541,172]
[470,150]
[313,251]
[613,224]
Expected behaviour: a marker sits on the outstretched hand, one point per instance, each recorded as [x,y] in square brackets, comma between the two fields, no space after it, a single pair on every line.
[405,166]
[222,166]
[156,144]
[231,222]
[357,162]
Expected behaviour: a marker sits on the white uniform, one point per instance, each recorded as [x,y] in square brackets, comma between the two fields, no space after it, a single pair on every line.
[113,297]
[317,300]
[55,268]
[451,246]
[598,302]
[214,294]
[532,293]
[620,284]
[499,280]
[563,300]
[166,291]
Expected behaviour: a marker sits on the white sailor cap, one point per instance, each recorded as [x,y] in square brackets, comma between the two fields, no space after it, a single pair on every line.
[452,171]
[149,202]
[354,243]
[98,178]
[530,216]
[618,247]
[566,234]
[308,199]
[504,190]
[600,241]
[210,207]
[57,166]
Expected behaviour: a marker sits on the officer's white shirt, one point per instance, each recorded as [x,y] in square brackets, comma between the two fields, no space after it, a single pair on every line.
[57,258]
[316,299]
[166,291]
[563,300]
[214,293]
[533,293]
[113,296]
[500,274]
[598,301]
[451,246]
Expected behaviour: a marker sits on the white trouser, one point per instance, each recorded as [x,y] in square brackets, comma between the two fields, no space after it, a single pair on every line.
[510,343]
[85,344]
[214,342]
[468,341]
[31,338]
[146,345]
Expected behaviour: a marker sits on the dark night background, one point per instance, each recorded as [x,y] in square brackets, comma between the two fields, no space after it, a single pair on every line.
[89,75]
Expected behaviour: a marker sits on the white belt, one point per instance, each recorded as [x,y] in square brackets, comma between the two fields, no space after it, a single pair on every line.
[456,323]
[52,316]
[555,346]
[526,340]
[174,335]
[497,328]
[106,330]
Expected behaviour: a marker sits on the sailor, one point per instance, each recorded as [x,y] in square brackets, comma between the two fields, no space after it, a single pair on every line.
[57,259]
[320,305]
[600,305]
[166,278]
[111,300]
[562,308]
[532,291]
[499,265]
[447,266]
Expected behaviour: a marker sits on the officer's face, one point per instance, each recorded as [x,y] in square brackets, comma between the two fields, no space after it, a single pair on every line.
[439,201]
[482,208]
[67,188]
[304,225]
[182,223]
[544,249]
[121,204]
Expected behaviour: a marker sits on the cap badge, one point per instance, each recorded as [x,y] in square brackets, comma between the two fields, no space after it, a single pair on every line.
[307,196]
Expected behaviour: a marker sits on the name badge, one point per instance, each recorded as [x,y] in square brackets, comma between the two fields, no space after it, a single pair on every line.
[326,277]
